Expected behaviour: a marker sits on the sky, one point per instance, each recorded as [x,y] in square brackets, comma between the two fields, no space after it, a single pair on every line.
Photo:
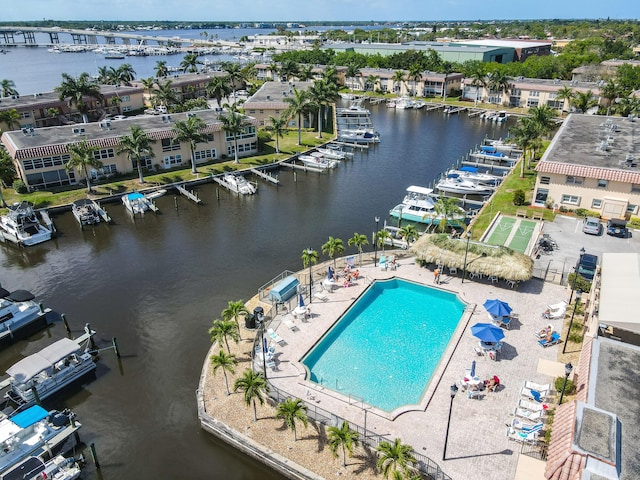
[316,10]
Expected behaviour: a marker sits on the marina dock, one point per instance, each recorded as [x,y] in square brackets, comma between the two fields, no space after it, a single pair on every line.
[189,194]
[47,221]
[304,168]
[265,176]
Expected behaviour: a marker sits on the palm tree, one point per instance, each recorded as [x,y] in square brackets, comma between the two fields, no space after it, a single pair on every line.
[125,74]
[398,77]
[292,411]
[190,63]
[498,82]
[583,101]
[148,83]
[136,146]
[222,330]
[234,75]
[446,207]
[543,118]
[409,233]
[395,456]
[104,75]
[628,106]
[82,157]
[371,82]
[234,310]
[345,438]
[565,93]
[8,88]
[478,81]
[381,238]
[353,71]
[161,68]
[298,106]
[225,362]
[333,247]
[447,68]
[164,94]
[279,127]
[330,75]
[611,91]
[7,173]
[358,240]
[234,123]
[309,257]
[305,73]
[524,133]
[254,386]
[415,74]
[218,88]
[190,131]
[11,117]
[288,69]
[76,89]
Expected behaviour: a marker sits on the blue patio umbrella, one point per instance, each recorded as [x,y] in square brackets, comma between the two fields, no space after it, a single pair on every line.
[330,273]
[487,332]
[497,308]
[300,301]
[473,369]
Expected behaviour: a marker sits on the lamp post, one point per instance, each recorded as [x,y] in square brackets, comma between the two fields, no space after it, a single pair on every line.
[567,371]
[262,349]
[453,391]
[309,252]
[575,278]
[375,242]
[464,268]
[575,307]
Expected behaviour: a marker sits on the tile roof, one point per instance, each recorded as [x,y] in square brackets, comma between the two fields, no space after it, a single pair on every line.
[612,174]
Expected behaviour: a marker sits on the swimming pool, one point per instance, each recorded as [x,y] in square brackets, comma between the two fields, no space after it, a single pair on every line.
[385,349]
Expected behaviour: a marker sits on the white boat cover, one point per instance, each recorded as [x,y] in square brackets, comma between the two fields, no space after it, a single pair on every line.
[29,367]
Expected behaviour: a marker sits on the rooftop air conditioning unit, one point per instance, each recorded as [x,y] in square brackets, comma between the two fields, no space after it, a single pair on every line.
[190,115]
[77,130]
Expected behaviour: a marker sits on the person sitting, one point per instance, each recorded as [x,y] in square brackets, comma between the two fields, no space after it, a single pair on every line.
[492,383]
[347,282]
[393,263]
[546,331]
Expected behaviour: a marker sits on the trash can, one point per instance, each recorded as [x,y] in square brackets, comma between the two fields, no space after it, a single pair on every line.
[258,316]
[250,321]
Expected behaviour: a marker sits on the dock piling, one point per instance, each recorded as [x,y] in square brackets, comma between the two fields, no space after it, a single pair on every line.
[114,341]
[94,455]
[66,324]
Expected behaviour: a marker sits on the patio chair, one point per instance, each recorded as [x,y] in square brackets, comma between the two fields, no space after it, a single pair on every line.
[540,387]
[383,262]
[528,414]
[275,337]
[532,406]
[290,324]
[545,331]
[522,437]
[535,395]
[518,424]
[479,351]
[320,296]
[556,310]
[554,340]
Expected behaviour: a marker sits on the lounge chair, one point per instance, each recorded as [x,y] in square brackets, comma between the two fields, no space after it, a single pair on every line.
[545,331]
[523,437]
[290,324]
[541,387]
[532,406]
[557,310]
[555,339]
[526,427]
[528,414]
[320,296]
[275,337]
[536,395]
[383,262]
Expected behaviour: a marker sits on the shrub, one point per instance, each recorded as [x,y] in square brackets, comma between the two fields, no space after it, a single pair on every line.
[570,389]
[583,212]
[19,186]
[581,283]
[518,198]
[634,222]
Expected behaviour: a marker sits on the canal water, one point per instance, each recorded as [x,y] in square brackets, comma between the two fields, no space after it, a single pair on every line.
[157,283]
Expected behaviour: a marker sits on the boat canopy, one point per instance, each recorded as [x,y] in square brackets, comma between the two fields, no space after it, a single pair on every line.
[29,416]
[135,196]
[469,169]
[420,190]
[21,296]
[29,367]
[4,293]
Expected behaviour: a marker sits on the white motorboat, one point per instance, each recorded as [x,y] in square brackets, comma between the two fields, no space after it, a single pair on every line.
[33,432]
[34,468]
[473,175]
[404,103]
[339,149]
[19,315]
[331,153]
[418,206]
[500,117]
[88,212]
[48,371]
[239,184]
[21,226]
[155,194]
[136,202]
[359,136]
[457,184]
[320,163]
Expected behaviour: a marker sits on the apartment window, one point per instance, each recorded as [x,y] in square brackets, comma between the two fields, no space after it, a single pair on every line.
[252,111]
[127,108]
[570,199]
[145,162]
[635,188]
[532,102]
[172,160]
[596,203]
[205,154]
[571,180]
[104,153]
[168,145]
[632,209]
[545,180]
[534,93]
[541,196]
[25,114]
[125,98]
[110,169]
[603,183]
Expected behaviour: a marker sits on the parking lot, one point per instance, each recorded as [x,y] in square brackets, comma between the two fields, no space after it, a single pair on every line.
[568,235]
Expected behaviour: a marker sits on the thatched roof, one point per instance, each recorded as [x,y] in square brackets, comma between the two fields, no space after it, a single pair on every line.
[481,257]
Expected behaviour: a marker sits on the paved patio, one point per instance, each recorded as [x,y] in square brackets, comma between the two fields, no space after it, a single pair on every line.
[477,438]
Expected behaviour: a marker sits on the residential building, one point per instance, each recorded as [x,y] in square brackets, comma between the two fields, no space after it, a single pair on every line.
[430,84]
[270,101]
[41,155]
[592,163]
[185,86]
[282,42]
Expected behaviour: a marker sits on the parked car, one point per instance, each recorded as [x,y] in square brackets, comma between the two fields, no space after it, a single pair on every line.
[617,227]
[592,226]
[588,266]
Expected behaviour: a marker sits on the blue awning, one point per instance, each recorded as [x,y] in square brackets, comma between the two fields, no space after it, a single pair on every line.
[29,416]
[469,169]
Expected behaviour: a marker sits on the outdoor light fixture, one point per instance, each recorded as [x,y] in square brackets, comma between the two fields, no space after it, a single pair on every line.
[464,268]
[568,368]
[375,242]
[453,391]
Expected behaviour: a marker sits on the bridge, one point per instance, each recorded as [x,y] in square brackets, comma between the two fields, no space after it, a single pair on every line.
[26,36]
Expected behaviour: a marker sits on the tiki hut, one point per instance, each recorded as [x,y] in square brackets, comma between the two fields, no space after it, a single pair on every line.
[490,260]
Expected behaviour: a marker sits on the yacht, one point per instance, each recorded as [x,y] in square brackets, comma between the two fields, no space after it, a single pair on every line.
[48,371]
[359,136]
[88,212]
[417,205]
[58,468]
[33,432]
[21,226]
[331,153]
[239,184]
[136,202]
[19,315]
[317,162]
[456,184]
[473,175]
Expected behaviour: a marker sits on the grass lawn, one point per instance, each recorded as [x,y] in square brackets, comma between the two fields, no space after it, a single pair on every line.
[288,147]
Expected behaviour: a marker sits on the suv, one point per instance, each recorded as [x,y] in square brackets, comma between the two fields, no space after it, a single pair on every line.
[588,265]
[592,226]
[617,227]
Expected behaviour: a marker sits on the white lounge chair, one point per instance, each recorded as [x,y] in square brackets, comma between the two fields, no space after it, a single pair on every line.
[522,437]
[526,426]
[275,337]
[533,394]
[383,262]
[532,406]
[528,414]
[290,324]
[541,387]
[320,296]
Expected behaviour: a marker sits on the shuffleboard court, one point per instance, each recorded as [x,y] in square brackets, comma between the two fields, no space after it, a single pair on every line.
[518,234]
[521,235]
[501,231]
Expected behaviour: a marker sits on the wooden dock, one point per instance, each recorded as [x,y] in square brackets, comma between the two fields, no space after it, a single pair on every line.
[47,221]
[189,194]
[451,110]
[361,146]
[103,214]
[265,176]
[304,168]
[433,106]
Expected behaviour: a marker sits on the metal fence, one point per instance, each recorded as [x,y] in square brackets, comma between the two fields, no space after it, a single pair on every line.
[535,450]
[553,272]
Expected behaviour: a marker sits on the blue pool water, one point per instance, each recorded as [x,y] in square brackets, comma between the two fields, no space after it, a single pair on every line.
[386,347]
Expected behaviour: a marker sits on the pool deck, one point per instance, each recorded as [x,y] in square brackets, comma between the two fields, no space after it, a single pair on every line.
[477,438]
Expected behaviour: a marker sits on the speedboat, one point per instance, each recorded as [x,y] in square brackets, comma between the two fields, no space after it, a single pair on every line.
[21,226]
[239,184]
[417,205]
[359,136]
[317,162]
[457,184]
[33,432]
[404,103]
[500,117]
[58,468]
[42,374]
[136,202]
[331,153]
[473,175]
[156,194]
[87,212]
[17,312]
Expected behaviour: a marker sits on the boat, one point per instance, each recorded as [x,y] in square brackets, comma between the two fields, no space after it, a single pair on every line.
[359,136]
[48,371]
[155,194]
[500,117]
[88,212]
[331,153]
[457,184]
[404,103]
[474,175]
[339,149]
[33,432]
[19,315]
[355,117]
[136,202]
[317,162]
[239,184]
[21,226]
[418,206]
[34,468]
